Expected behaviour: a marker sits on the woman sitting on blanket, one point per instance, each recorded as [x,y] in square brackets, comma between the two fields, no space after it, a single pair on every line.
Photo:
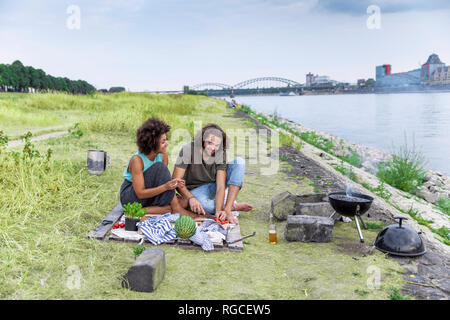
[147,179]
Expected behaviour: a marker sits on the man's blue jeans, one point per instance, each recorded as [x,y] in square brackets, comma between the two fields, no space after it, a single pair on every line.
[206,193]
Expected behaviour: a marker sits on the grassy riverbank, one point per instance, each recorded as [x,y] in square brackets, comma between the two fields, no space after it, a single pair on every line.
[49,206]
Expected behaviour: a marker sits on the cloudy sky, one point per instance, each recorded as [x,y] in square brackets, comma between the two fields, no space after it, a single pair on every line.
[163,45]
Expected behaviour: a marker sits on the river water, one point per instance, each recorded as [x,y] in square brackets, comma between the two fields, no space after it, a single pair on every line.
[381,121]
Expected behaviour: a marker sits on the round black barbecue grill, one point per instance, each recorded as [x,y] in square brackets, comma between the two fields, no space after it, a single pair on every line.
[351,205]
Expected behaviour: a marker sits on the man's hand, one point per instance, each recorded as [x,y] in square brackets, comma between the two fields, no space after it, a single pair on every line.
[230,217]
[196,206]
[221,215]
[226,216]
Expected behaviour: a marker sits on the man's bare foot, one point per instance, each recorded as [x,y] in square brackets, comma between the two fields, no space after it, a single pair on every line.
[243,206]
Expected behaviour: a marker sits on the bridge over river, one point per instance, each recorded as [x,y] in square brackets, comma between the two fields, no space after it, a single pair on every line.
[263,85]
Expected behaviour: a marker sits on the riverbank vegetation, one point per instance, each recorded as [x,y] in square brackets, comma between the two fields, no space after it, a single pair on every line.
[406,169]
[348,155]
[444,205]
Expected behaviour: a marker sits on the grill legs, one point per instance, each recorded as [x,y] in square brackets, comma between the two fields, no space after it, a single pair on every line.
[357,225]
[363,223]
[359,229]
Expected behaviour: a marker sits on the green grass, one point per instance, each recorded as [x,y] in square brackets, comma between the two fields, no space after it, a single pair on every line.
[352,159]
[289,141]
[20,113]
[443,232]
[3,139]
[396,295]
[317,141]
[138,250]
[406,169]
[361,293]
[346,171]
[310,137]
[52,203]
[381,191]
[444,205]
[374,225]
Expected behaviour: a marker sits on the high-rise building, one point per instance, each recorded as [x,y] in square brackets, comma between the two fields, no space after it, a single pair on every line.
[309,79]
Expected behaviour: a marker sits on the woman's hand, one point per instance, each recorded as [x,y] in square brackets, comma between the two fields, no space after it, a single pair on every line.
[181,183]
[172,184]
[196,206]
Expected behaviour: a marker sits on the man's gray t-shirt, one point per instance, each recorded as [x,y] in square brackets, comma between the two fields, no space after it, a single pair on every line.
[199,172]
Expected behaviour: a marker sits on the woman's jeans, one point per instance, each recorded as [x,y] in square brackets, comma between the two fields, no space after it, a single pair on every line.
[206,193]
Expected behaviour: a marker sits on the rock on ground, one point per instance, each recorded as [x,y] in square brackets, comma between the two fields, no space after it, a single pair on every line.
[147,271]
[308,228]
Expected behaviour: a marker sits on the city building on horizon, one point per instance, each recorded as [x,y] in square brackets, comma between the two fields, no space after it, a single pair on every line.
[316,80]
[433,72]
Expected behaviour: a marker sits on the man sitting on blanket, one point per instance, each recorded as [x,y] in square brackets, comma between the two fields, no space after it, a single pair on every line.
[211,184]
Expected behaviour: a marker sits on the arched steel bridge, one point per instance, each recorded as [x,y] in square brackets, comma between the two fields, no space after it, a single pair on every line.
[247,83]
[211,85]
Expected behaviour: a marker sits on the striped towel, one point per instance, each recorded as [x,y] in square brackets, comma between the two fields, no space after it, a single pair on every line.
[159,229]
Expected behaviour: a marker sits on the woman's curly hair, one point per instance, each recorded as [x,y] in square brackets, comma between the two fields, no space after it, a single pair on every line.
[147,136]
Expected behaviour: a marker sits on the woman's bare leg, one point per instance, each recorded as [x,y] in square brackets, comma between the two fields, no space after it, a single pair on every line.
[183,202]
[158,210]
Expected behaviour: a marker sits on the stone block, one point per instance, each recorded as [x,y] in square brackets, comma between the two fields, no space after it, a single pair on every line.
[283,205]
[308,228]
[147,271]
[322,209]
[308,198]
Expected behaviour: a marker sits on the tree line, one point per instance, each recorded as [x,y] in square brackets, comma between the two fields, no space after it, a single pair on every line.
[17,77]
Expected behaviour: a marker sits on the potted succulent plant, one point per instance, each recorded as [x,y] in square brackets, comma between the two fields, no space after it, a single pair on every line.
[133,213]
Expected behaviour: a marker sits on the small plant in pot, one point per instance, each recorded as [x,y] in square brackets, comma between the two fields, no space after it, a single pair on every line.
[133,214]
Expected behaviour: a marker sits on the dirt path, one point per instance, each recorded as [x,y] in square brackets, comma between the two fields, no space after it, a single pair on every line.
[15,143]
